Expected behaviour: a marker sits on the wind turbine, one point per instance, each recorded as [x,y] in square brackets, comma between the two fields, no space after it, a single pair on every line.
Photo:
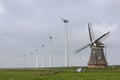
[43,55]
[32,65]
[97,57]
[66,40]
[36,59]
[50,37]
[25,60]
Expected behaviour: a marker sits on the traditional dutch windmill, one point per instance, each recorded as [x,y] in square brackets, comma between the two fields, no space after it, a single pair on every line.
[97,58]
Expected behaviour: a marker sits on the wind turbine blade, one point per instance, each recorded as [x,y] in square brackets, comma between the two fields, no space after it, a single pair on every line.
[90,32]
[104,35]
[80,49]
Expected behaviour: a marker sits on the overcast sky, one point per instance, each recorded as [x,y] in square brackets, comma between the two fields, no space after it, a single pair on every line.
[25,24]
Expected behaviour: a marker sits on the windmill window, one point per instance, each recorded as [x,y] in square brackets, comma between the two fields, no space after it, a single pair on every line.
[99,57]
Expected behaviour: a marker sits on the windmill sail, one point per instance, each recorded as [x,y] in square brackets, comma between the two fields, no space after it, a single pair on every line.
[91,34]
[104,35]
[80,49]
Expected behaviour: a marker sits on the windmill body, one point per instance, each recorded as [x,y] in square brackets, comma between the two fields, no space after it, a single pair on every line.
[97,58]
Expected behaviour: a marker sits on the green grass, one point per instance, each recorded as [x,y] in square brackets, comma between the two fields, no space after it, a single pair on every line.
[60,74]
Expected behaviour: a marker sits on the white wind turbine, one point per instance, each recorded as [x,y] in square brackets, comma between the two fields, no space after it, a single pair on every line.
[36,58]
[50,38]
[42,55]
[66,40]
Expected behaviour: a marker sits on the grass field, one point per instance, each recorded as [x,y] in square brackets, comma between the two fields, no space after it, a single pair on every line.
[60,74]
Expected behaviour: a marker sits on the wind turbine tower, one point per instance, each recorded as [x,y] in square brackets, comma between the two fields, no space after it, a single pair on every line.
[43,55]
[50,37]
[25,60]
[32,64]
[66,40]
[36,59]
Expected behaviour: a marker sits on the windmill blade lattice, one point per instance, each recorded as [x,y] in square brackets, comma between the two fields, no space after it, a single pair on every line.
[80,49]
[91,34]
